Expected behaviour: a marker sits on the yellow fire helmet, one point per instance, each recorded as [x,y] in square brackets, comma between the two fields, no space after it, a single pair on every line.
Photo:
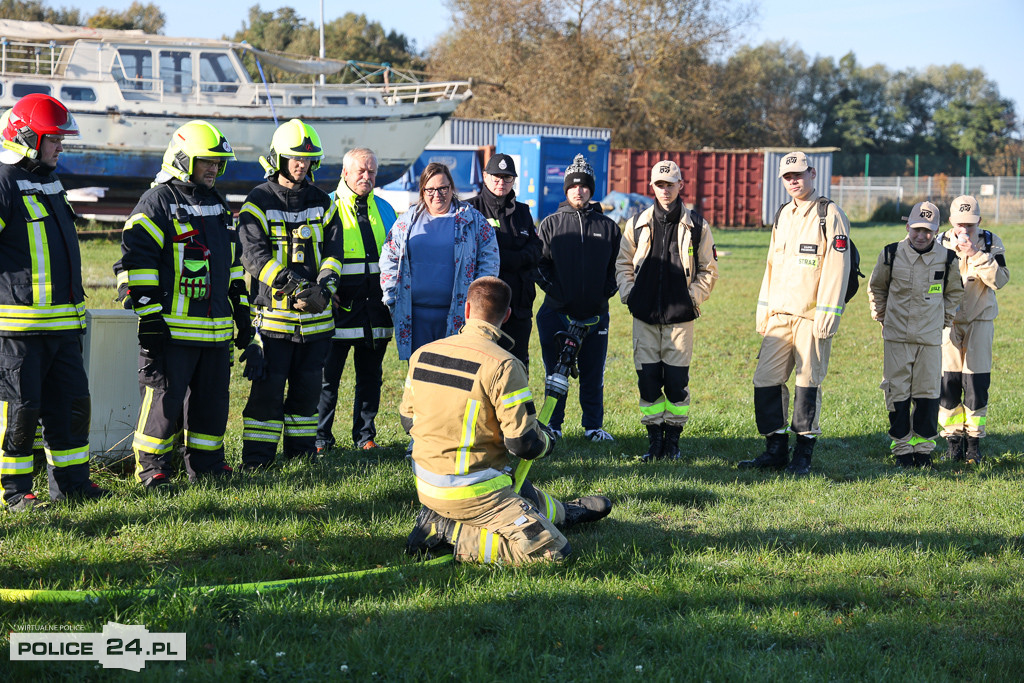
[195,140]
[293,140]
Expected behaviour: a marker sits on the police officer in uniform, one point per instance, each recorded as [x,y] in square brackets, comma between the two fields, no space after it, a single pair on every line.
[180,254]
[967,343]
[518,246]
[365,328]
[292,247]
[798,310]
[42,311]
[467,405]
[665,270]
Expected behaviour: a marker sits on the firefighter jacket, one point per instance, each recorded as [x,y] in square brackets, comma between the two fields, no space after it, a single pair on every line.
[577,264]
[915,296]
[40,264]
[365,223]
[467,403]
[518,246]
[698,267]
[170,218]
[981,274]
[807,271]
[290,234]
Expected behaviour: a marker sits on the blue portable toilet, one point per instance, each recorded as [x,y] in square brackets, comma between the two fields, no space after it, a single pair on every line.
[541,161]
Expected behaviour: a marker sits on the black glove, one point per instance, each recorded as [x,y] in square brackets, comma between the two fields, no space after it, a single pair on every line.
[313,299]
[552,440]
[255,363]
[153,332]
[243,323]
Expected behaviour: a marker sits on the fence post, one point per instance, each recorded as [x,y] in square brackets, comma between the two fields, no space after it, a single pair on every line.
[929,188]
[999,191]
[867,198]
[899,193]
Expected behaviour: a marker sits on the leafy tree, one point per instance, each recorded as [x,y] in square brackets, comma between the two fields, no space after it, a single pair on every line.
[35,10]
[145,17]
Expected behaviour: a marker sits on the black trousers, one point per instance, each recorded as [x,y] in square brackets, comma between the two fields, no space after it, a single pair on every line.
[368,360]
[591,360]
[519,329]
[182,386]
[42,380]
[271,409]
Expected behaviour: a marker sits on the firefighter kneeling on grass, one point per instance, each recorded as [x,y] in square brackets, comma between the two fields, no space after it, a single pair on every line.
[467,405]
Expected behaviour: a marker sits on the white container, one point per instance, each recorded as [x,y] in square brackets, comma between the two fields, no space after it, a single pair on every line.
[111,360]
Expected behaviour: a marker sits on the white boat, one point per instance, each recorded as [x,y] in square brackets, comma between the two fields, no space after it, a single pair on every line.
[129,91]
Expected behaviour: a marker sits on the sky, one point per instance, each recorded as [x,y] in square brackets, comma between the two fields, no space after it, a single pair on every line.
[897,33]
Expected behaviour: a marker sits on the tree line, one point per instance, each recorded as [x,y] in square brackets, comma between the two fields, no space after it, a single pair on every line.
[661,74]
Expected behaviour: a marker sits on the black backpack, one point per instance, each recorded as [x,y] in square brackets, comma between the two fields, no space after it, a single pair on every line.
[853,282]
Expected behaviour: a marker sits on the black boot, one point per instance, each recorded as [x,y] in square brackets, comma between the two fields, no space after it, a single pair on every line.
[671,447]
[585,509]
[973,455]
[923,460]
[801,465]
[955,447]
[775,456]
[432,535]
[654,450]
[905,461]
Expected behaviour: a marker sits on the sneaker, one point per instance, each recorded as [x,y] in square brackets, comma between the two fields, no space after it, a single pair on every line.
[369,445]
[23,504]
[586,509]
[598,435]
[431,536]
[556,432]
[159,484]
[90,491]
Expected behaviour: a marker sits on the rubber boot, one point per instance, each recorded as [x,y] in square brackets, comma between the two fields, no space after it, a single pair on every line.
[775,456]
[432,535]
[801,465]
[654,449]
[973,455]
[671,447]
[955,447]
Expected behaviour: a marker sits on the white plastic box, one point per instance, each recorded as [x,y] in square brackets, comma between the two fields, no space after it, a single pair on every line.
[111,360]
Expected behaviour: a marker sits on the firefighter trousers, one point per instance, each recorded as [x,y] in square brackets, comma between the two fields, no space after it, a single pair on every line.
[789,344]
[661,355]
[43,381]
[368,359]
[911,373]
[182,387]
[966,376]
[274,408]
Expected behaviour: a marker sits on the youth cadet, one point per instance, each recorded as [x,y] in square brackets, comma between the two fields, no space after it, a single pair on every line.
[914,295]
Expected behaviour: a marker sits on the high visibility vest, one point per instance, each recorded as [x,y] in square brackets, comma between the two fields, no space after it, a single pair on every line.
[357,266]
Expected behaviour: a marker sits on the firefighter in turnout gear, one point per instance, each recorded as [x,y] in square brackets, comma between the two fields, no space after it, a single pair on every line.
[967,343]
[665,270]
[292,247]
[914,291]
[467,405]
[180,252]
[42,310]
[365,328]
[798,311]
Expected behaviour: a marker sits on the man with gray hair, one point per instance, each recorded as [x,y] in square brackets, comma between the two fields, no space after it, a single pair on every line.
[366,327]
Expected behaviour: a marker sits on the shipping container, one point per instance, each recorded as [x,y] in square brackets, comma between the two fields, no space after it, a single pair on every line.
[482,132]
[541,162]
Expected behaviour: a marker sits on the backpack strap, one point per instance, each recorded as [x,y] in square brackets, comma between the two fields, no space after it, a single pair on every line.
[890,253]
[950,257]
[695,234]
[778,213]
[988,241]
[823,203]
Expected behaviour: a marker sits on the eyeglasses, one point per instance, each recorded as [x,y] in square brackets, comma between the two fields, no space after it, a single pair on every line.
[436,191]
[503,178]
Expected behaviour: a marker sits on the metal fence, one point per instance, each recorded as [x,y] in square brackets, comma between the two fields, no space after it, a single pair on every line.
[890,198]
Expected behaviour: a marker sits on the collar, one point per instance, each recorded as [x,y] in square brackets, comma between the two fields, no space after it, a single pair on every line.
[493,333]
[806,205]
[346,195]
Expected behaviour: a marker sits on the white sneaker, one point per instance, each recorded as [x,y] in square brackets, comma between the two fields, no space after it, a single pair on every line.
[556,432]
[598,435]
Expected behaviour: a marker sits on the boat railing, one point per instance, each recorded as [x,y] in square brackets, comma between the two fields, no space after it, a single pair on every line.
[43,59]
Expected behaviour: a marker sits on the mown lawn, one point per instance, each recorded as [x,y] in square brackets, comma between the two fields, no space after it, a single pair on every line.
[702,572]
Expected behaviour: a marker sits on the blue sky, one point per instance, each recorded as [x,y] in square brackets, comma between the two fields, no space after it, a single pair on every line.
[896,33]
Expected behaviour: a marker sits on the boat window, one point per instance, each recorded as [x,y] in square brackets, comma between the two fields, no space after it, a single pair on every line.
[336,99]
[77,94]
[133,69]
[302,99]
[217,73]
[22,89]
[176,71]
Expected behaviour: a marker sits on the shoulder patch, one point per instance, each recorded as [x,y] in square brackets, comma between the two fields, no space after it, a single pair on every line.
[714,251]
[808,248]
[841,243]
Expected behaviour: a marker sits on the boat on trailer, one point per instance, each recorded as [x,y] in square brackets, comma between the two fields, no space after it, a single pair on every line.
[129,90]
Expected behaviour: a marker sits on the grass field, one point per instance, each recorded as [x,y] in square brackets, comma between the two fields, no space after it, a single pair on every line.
[702,572]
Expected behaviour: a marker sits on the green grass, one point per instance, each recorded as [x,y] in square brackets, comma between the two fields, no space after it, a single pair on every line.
[702,572]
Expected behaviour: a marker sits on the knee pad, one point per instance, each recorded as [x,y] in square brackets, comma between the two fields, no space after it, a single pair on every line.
[677,379]
[926,417]
[805,408]
[81,416]
[976,390]
[952,389]
[648,381]
[899,419]
[769,413]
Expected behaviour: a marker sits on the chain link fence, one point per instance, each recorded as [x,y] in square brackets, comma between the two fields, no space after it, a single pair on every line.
[888,199]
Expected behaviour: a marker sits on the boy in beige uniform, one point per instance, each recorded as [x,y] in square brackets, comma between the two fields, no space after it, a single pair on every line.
[914,291]
[967,343]
[665,270]
[798,309]
[467,405]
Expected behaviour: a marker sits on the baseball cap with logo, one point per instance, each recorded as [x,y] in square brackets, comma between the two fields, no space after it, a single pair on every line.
[964,209]
[924,215]
[667,171]
[794,162]
[501,164]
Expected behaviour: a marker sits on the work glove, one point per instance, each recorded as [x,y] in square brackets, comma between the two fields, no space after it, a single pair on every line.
[255,363]
[195,272]
[313,299]
[552,440]
[153,332]
[243,323]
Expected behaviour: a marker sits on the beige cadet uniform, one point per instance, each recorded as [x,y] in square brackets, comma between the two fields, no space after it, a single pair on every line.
[913,299]
[671,345]
[467,398]
[798,311]
[967,343]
